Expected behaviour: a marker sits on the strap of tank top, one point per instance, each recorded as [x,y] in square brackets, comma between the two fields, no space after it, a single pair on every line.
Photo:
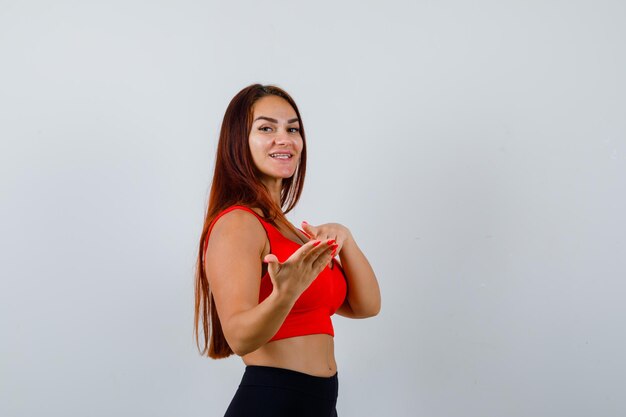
[229,209]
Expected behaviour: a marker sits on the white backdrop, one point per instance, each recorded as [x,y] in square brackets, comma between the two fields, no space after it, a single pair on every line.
[475,149]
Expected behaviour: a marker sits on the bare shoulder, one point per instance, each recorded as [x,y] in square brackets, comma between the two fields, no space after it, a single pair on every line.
[239,229]
[233,263]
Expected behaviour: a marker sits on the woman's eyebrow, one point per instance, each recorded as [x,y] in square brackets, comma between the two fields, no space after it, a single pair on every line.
[274,120]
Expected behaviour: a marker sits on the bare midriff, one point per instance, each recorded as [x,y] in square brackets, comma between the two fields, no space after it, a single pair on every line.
[311,354]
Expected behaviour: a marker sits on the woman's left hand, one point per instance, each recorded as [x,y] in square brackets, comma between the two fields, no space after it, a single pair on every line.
[336,231]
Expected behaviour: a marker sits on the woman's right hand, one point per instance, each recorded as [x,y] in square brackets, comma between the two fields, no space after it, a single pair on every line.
[292,277]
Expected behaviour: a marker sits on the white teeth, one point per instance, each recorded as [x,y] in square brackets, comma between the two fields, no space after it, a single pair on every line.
[280,155]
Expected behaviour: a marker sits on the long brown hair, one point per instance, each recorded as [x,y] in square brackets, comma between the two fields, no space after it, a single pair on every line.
[236,181]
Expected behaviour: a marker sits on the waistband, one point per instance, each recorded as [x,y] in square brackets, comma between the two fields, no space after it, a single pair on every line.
[268,376]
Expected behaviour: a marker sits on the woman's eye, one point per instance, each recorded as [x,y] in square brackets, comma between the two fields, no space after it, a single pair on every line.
[291,129]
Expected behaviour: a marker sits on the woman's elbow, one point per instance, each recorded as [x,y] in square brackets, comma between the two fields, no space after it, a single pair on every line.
[364,312]
[236,346]
[374,306]
[373,311]
[238,342]
[240,350]
[241,347]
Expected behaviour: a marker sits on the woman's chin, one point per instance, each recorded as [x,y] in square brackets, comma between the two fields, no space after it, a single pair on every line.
[284,174]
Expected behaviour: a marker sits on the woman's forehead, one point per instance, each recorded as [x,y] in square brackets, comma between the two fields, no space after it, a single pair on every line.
[274,107]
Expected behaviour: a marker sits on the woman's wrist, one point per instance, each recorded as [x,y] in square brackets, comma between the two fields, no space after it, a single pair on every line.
[282,299]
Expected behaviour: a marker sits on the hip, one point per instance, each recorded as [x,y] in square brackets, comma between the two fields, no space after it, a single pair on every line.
[270,391]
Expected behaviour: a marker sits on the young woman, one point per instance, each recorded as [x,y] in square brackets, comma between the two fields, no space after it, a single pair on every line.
[265,290]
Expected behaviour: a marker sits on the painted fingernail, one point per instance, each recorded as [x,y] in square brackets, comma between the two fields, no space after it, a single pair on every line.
[334,252]
[330,242]
[317,242]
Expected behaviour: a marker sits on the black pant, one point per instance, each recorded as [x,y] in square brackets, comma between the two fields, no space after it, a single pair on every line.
[275,392]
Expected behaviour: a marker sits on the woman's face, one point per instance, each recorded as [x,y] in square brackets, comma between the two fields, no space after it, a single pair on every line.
[275,141]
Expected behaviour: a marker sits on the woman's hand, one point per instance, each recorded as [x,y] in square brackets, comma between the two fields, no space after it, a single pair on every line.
[335,231]
[293,276]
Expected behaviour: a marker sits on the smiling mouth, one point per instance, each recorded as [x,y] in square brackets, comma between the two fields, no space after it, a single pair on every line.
[284,156]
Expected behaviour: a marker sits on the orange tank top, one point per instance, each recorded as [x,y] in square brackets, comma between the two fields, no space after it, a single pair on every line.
[311,312]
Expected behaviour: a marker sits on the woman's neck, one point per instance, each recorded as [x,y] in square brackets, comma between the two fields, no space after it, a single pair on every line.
[274,187]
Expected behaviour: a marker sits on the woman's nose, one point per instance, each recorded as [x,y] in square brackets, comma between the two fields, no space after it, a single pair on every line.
[282,137]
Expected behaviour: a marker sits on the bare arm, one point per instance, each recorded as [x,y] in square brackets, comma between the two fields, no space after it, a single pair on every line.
[233,267]
[363,298]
